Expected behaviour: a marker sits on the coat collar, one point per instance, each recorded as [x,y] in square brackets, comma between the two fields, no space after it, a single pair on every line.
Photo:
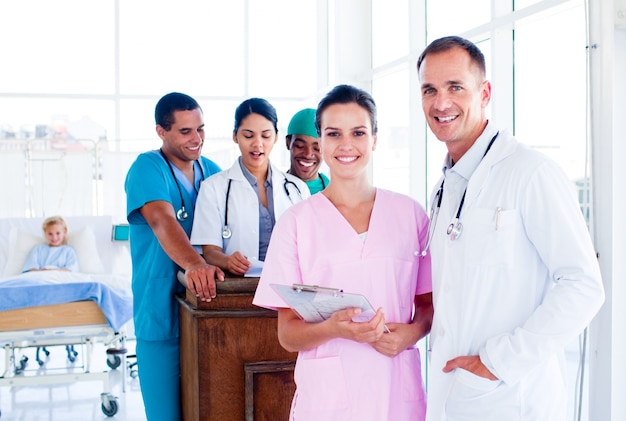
[504,146]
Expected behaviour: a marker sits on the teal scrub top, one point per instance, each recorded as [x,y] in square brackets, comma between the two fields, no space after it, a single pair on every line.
[318,184]
[154,281]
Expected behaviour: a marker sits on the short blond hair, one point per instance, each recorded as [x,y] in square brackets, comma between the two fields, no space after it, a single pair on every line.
[55,220]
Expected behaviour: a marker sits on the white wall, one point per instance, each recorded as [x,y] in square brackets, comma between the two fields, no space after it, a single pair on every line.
[608,108]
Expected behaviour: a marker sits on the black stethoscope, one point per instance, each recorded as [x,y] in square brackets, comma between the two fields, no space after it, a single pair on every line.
[455,228]
[322,180]
[226,231]
[318,176]
[181,214]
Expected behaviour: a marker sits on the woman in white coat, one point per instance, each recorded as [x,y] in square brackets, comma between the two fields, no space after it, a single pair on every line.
[236,209]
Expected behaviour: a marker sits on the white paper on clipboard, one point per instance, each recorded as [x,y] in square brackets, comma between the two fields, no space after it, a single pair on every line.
[315,304]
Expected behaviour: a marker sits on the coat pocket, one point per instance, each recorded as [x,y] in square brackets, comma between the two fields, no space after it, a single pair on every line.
[411,375]
[473,397]
[497,230]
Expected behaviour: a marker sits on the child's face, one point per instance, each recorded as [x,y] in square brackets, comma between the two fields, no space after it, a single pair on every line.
[55,234]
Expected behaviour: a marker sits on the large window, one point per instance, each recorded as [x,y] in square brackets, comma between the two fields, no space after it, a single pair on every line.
[164,48]
[52,47]
[552,87]
[83,78]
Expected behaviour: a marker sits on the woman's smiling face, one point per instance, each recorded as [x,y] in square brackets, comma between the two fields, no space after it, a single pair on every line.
[347,139]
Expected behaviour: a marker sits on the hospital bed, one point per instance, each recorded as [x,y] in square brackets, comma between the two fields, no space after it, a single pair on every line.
[49,308]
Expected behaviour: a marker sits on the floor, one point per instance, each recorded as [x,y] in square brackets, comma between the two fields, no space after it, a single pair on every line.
[77,401]
[80,401]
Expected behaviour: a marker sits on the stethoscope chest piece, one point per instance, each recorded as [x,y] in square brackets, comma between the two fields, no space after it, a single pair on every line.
[226,232]
[454,229]
[182,214]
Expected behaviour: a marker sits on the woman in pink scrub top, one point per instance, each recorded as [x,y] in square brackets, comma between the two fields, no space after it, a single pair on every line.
[363,240]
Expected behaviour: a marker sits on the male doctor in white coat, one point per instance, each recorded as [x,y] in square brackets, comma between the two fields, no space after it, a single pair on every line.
[515,275]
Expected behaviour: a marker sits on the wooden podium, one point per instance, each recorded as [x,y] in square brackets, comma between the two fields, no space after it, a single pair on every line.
[232,366]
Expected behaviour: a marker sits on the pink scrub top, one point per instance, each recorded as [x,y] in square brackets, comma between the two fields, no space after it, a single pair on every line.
[312,243]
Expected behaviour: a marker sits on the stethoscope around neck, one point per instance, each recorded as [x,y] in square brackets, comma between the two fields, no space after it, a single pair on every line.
[226,231]
[455,229]
[182,213]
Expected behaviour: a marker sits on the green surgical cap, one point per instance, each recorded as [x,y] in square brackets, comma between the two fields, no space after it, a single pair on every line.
[303,123]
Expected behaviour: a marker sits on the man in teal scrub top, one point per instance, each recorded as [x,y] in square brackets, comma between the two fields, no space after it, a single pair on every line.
[304,148]
[161,190]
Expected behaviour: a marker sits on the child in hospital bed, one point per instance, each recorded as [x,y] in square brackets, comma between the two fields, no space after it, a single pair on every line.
[56,254]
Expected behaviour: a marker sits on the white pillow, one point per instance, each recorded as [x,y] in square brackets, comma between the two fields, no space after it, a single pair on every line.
[21,242]
[84,242]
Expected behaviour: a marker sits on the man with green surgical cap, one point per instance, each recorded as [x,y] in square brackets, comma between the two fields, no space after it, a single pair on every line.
[304,148]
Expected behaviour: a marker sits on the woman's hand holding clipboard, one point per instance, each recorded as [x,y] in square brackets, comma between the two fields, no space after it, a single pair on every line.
[313,303]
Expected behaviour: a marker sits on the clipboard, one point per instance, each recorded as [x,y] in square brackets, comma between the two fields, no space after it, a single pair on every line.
[315,304]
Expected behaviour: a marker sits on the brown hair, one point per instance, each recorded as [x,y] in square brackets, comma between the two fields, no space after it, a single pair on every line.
[450,42]
[347,94]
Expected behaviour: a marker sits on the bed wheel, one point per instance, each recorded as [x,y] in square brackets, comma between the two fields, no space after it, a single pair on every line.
[132,366]
[109,404]
[71,353]
[45,351]
[21,366]
[113,361]
[113,357]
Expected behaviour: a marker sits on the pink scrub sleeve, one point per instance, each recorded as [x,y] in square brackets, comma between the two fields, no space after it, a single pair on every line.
[280,267]
[424,278]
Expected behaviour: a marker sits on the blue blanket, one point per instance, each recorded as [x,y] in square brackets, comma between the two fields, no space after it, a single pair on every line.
[116,303]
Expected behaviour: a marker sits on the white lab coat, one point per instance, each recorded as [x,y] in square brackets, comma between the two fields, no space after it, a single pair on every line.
[515,295]
[243,209]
